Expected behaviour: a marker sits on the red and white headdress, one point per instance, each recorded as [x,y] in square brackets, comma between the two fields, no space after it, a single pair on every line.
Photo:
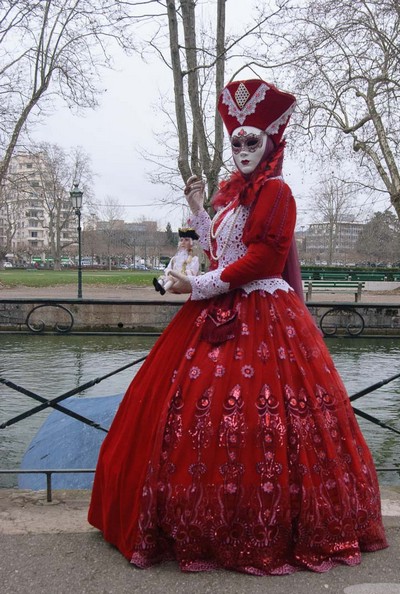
[256,103]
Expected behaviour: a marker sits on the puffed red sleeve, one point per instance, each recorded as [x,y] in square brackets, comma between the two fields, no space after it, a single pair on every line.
[268,234]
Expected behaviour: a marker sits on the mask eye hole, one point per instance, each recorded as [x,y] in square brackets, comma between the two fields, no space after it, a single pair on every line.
[252,142]
[236,144]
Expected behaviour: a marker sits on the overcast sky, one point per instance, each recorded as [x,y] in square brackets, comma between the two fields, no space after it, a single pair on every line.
[114,134]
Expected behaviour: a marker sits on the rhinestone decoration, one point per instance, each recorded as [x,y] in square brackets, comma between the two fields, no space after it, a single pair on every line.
[241,95]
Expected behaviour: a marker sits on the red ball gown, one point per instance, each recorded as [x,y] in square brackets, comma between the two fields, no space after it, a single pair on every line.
[235,445]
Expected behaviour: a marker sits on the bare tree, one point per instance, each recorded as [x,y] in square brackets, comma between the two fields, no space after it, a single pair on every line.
[196,155]
[200,49]
[110,225]
[343,61]
[9,212]
[52,48]
[56,171]
[37,197]
[379,241]
[333,204]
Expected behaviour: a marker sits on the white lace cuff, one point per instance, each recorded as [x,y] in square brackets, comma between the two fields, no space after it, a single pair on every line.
[208,285]
[201,223]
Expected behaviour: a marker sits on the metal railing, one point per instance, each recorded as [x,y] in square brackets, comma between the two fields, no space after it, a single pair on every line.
[50,471]
[356,319]
[55,403]
[49,474]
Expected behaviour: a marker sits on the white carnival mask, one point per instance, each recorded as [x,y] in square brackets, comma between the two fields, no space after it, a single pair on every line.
[248,148]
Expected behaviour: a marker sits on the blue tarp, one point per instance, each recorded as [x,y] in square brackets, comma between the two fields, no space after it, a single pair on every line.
[64,442]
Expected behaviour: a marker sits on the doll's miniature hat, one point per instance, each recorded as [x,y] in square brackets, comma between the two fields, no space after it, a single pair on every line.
[188,232]
[256,103]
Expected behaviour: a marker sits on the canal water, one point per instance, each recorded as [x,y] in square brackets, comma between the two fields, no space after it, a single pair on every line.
[52,365]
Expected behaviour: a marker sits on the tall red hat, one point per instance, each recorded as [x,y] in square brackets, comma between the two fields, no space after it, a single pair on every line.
[256,103]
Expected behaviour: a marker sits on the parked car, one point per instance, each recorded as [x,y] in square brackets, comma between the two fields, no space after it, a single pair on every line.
[7,265]
[138,267]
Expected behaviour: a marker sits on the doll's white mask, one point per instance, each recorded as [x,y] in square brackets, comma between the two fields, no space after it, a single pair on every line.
[248,148]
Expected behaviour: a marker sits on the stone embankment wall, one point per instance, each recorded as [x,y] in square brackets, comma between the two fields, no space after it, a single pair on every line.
[348,319]
[72,315]
[85,315]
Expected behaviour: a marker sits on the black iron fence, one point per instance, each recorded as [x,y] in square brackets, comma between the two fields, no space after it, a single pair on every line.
[49,475]
[54,403]
[335,320]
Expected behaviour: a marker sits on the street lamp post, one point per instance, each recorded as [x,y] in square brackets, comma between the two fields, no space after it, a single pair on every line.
[76,199]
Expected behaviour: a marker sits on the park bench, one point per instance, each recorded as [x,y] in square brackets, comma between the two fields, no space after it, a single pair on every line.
[339,276]
[334,276]
[370,276]
[342,286]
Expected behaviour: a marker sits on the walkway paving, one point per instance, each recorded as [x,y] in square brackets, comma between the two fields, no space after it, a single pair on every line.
[375,292]
[90,292]
[49,548]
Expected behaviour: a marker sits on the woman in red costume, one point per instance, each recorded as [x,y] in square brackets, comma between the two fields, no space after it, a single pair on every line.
[236,445]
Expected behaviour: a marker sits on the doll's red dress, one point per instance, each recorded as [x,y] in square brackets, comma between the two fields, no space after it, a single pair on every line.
[236,445]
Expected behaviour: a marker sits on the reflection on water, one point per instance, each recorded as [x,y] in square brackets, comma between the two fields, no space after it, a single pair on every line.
[361,363]
[52,365]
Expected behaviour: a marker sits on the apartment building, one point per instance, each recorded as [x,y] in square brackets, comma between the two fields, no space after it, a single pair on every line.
[33,210]
[332,242]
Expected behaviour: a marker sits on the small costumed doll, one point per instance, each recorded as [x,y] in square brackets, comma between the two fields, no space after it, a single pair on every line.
[184,261]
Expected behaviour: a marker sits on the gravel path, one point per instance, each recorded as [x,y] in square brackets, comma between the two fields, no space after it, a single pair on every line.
[89,292]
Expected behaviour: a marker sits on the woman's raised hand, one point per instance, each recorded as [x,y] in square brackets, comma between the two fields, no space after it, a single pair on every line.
[194,192]
[181,283]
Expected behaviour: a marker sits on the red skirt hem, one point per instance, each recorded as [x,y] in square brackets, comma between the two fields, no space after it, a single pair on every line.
[221,454]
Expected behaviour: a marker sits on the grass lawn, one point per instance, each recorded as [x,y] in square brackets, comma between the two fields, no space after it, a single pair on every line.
[51,278]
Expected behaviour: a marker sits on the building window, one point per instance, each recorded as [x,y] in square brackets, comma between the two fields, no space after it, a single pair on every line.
[34,233]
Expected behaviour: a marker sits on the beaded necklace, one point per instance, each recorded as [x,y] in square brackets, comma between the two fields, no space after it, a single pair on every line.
[213,234]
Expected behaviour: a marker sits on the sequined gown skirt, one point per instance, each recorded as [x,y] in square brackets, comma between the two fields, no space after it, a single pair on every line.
[242,455]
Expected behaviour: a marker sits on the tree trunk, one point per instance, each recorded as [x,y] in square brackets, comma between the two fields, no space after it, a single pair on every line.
[395,200]
[189,27]
[179,92]
[219,84]
[196,159]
